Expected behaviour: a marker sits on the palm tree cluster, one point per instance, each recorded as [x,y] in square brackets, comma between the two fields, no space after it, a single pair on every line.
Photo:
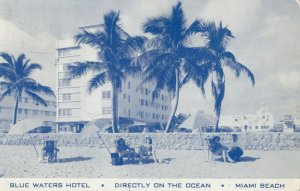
[15,81]
[166,58]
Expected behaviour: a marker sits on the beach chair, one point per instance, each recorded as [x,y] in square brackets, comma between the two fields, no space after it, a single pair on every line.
[211,155]
[49,152]
[124,151]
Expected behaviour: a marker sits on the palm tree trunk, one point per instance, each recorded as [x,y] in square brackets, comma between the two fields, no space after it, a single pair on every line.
[217,124]
[176,100]
[115,116]
[16,110]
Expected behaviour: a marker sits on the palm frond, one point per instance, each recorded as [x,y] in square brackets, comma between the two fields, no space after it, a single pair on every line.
[97,81]
[156,26]
[230,61]
[79,69]
[5,94]
[36,98]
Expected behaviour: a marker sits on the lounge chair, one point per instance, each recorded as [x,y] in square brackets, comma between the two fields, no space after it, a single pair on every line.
[211,154]
[49,152]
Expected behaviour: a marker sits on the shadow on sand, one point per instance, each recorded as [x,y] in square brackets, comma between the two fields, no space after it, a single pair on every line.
[74,159]
[248,159]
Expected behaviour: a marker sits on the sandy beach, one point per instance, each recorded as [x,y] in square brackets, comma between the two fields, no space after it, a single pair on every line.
[77,162]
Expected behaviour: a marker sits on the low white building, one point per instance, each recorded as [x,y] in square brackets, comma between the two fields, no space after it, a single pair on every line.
[76,107]
[28,109]
[260,121]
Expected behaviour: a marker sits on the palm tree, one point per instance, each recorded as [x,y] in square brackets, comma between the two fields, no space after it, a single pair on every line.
[115,51]
[169,52]
[216,40]
[16,80]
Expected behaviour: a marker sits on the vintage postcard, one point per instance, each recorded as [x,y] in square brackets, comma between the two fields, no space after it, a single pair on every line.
[138,95]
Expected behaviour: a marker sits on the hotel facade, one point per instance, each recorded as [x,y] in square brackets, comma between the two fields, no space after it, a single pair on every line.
[262,120]
[76,107]
[28,109]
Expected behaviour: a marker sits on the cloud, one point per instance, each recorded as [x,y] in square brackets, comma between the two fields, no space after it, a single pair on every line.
[39,48]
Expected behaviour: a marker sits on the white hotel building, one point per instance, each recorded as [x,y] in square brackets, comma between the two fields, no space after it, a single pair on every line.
[76,107]
[260,121]
[28,109]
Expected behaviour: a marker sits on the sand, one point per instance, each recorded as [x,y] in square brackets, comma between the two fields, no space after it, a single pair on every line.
[84,162]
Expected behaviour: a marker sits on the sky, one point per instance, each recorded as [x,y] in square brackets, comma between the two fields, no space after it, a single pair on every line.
[266,40]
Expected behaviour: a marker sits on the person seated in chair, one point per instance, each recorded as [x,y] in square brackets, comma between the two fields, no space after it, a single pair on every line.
[146,151]
[124,150]
[50,151]
[235,152]
[218,149]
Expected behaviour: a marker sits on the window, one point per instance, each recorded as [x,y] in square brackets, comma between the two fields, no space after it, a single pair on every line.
[124,96]
[35,112]
[66,97]
[20,100]
[47,113]
[53,113]
[0,109]
[146,91]
[19,111]
[128,85]
[162,97]
[26,100]
[108,109]
[42,112]
[128,98]
[142,101]
[128,112]
[153,115]
[106,94]
[146,102]
[162,107]
[69,112]
[64,52]
[26,111]
[103,110]
[162,117]
[64,82]
[60,112]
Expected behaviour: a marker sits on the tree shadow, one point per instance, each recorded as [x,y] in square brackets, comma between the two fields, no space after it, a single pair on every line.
[74,159]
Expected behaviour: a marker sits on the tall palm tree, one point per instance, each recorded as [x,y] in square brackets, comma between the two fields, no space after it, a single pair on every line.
[216,39]
[16,80]
[168,52]
[115,51]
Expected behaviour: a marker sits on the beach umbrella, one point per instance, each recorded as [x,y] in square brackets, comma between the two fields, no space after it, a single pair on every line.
[94,127]
[197,121]
[25,126]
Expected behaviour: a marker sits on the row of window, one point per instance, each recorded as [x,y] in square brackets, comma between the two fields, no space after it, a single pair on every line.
[65,112]
[36,112]
[66,82]
[144,102]
[106,110]
[106,94]
[65,97]
[148,115]
[27,100]
[145,91]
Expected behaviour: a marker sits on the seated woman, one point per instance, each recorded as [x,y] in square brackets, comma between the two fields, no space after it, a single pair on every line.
[218,149]
[235,152]
[146,151]
[124,150]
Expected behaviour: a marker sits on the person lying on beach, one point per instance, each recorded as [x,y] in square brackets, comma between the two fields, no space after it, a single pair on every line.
[146,151]
[124,150]
[235,152]
[219,149]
